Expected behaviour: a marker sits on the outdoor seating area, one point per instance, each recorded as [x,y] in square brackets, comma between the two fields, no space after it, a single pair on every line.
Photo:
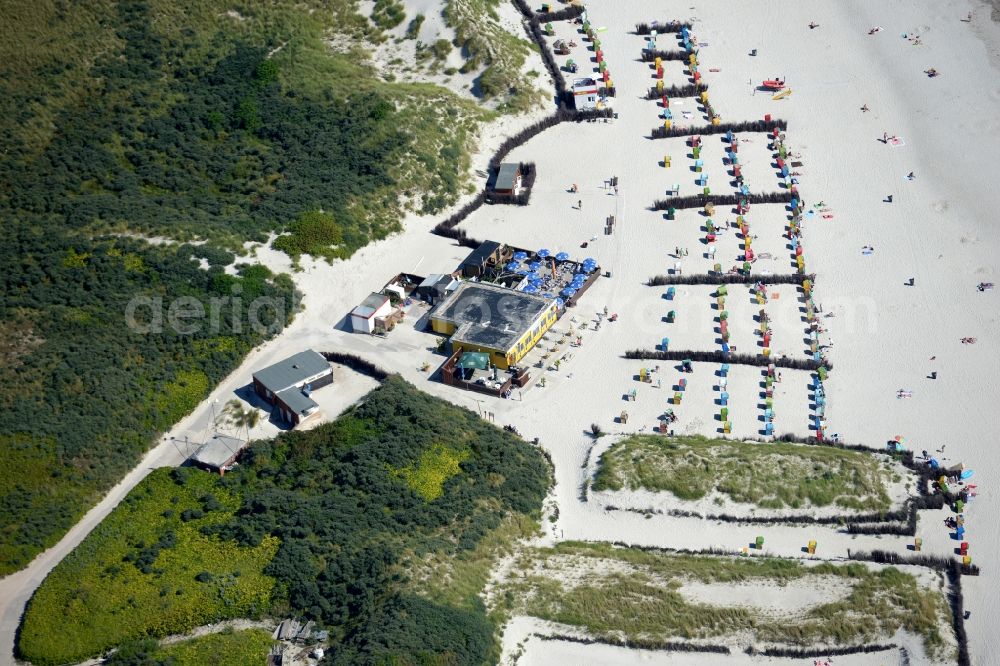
[551,275]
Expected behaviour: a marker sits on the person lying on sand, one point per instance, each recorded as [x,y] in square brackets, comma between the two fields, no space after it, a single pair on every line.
[877,28]
[865,109]
[813,26]
[983,286]
[968,341]
[931,73]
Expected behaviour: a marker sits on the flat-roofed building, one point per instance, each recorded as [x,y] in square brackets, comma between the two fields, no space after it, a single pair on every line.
[218,453]
[501,322]
[363,317]
[585,94]
[288,383]
[508,178]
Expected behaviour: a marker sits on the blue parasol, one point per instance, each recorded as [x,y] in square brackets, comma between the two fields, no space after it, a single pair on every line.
[568,292]
[543,253]
[520,256]
[560,302]
[512,266]
[562,256]
[535,265]
[531,289]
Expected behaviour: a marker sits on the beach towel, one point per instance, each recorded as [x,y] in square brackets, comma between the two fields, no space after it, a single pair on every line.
[828,216]
[897,141]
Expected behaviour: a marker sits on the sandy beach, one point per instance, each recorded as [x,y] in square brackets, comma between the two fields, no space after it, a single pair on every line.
[938,229]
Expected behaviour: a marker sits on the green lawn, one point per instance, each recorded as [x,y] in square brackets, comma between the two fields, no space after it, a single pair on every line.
[772,475]
[636,594]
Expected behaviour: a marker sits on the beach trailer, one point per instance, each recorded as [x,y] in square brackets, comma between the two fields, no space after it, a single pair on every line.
[585,94]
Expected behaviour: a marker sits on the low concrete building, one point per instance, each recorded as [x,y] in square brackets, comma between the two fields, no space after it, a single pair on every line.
[363,317]
[218,453]
[288,383]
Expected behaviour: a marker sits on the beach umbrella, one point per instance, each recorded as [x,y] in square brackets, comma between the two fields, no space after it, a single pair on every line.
[560,302]
[543,253]
[568,292]
[535,265]
[548,294]
[512,266]
[531,289]
[562,256]
[590,260]
[520,256]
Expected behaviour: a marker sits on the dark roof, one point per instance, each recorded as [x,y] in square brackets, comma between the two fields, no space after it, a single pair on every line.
[584,83]
[490,316]
[297,401]
[218,451]
[479,256]
[292,371]
[506,176]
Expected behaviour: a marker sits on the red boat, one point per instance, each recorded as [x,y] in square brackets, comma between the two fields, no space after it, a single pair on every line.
[773,84]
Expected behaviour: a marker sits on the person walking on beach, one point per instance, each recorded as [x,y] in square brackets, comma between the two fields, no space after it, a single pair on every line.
[579,204]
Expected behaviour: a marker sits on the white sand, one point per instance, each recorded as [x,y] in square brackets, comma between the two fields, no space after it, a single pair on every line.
[939,230]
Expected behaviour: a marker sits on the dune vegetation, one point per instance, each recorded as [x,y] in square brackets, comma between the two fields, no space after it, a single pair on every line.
[774,475]
[227,648]
[611,592]
[382,526]
[131,128]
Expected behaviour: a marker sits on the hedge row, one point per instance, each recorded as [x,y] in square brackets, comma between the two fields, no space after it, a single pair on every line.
[639,643]
[357,364]
[728,278]
[745,126]
[661,28]
[650,55]
[699,200]
[720,357]
[691,90]
[810,653]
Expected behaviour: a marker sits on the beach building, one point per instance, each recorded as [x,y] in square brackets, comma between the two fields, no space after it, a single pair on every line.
[487,254]
[436,287]
[585,94]
[365,315]
[508,178]
[218,453]
[288,383]
[500,322]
